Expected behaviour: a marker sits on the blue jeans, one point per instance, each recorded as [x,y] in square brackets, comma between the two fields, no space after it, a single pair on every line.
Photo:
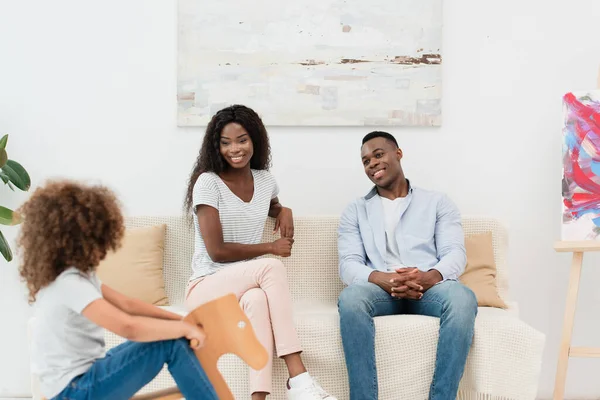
[130,366]
[452,302]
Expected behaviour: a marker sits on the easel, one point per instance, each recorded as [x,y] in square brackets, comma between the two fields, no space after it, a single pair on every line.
[566,351]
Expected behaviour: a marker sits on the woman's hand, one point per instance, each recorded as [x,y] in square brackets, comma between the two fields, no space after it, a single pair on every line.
[285,223]
[282,247]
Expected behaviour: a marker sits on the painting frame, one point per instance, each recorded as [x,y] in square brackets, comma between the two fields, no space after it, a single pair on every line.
[312,63]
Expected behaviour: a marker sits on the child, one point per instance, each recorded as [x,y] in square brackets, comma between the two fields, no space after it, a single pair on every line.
[68,228]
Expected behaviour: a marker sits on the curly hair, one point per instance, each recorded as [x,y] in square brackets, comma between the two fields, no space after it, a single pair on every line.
[65,225]
[210,158]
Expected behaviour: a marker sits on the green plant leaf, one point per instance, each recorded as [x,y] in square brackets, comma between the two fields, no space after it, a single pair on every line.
[6,180]
[3,157]
[3,141]
[5,248]
[4,177]
[17,175]
[9,217]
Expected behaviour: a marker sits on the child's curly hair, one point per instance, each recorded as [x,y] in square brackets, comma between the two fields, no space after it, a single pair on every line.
[65,225]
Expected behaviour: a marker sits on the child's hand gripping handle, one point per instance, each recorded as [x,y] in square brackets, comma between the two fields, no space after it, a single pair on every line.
[195,334]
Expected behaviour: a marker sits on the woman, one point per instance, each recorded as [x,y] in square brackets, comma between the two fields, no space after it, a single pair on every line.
[230,193]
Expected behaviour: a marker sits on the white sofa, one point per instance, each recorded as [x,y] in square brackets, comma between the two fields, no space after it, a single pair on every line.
[504,362]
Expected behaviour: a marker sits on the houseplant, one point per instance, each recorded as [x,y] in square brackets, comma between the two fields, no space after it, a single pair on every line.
[14,175]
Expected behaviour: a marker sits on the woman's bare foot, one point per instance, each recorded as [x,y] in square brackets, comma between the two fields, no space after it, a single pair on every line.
[259,396]
[294,364]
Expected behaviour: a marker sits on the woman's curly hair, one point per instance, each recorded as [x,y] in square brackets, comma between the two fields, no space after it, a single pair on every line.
[66,224]
[210,158]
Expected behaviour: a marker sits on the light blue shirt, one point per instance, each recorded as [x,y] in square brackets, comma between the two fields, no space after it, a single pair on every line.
[429,236]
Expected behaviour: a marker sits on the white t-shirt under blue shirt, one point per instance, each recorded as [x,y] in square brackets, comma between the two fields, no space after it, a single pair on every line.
[392,211]
[242,222]
[65,344]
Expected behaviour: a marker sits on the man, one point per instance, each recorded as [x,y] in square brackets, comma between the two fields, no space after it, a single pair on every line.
[402,250]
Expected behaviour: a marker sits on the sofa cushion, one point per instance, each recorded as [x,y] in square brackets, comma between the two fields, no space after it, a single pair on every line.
[406,348]
[136,269]
[480,272]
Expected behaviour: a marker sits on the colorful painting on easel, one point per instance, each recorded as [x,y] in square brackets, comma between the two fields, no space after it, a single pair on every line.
[581,166]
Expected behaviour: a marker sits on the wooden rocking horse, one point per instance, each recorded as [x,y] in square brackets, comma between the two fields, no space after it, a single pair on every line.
[227,331]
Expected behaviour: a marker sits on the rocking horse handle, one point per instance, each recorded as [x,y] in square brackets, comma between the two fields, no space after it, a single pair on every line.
[228,330]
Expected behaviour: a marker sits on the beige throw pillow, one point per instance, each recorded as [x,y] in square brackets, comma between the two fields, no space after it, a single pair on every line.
[136,269]
[480,272]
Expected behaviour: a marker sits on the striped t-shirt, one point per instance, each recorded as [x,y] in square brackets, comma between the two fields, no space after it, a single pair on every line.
[241,222]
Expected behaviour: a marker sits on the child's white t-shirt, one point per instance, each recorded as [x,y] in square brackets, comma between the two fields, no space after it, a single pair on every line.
[65,344]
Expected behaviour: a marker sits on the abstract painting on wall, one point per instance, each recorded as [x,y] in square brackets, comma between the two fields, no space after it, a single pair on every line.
[581,166]
[312,62]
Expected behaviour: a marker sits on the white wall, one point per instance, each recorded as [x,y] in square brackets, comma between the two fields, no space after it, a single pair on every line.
[87,90]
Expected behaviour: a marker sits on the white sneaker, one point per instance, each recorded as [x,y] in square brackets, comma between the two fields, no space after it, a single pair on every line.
[306,388]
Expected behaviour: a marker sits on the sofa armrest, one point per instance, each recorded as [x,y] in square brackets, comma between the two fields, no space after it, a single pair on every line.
[36,394]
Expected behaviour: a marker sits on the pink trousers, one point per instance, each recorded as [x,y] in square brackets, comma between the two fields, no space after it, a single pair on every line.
[262,290]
